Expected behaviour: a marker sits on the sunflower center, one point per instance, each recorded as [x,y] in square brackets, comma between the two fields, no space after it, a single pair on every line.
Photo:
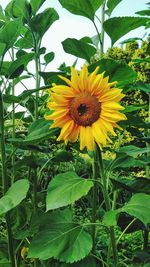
[84,109]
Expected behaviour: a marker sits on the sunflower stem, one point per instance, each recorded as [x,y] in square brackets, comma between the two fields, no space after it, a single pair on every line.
[14,128]
[4,181]
[94,204]
[102,30]
[108,205]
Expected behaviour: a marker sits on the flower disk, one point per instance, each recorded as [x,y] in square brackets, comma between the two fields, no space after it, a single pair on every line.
[86,108]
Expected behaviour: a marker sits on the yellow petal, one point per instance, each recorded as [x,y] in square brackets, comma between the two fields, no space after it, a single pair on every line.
[66,130]
[83,78]
[111,105]
[98,134]
[56,114]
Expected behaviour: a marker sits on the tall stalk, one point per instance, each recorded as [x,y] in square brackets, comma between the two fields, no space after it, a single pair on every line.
[5,181]
[108,206]
[95,195]
[13,128]
[102,30]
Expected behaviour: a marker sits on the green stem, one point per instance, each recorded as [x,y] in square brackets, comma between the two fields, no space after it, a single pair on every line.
[4,181]
[94,204]
[102,30]
[14,128]
[108,206]
[35,190]
[124,231]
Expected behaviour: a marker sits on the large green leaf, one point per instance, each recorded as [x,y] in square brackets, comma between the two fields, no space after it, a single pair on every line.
[16,193]
[65,189]
[132,150]
[128,162]
[131,108]
[115,70]
[42,21]
[21,9]
[136,185]
[9,33]
[111,4]
[59,237]
[36,4]
[20,62]
[86,8]
[138,206]
[124,24]
[79,48]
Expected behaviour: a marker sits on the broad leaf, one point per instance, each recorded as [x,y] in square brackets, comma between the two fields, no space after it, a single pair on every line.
[9,33]
[79,48]
[128,162]
[138,207]
[16,193]
[132,150]
[143,12]
[111,4]
[136,185]
[125,24]
[85,8]
[59,237]
[134,108]
[115,70]
[36,4]
[22,61]
[21,9]
[42,21]
[65,189]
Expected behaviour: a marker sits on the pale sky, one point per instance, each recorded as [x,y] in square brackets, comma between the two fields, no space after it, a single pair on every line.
[74,26]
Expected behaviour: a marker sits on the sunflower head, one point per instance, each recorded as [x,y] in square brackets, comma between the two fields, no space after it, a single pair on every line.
[86,108]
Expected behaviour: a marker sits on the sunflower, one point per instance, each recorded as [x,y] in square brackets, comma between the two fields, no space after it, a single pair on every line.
[86,108]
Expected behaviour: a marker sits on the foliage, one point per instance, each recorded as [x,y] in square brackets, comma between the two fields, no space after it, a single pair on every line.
[60,207]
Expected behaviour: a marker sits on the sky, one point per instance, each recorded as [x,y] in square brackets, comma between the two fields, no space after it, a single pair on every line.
[73,26]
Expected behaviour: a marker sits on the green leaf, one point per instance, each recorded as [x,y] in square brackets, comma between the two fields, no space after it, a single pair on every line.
[22,61]
[42,21]
[133,150]
[115,70]
[36,4]
[65,189]
[16,193]
[128,162]
[131,40]
[143,12]
[111,4]
[11,99]
[25,42]
[134,108]
[85,8]
[2,16]
[79,48]
[59,237]
[88,262]
[145,87]
[9,33]
[126,24]
[136,185]
[141,60]
[49,57]
[2,48]
[51,77]
[110,218]
[139,207]
[21,9]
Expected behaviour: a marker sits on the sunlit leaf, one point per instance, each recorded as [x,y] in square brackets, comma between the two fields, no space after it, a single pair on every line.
[65,189]
[111,4]
[36,4]
[85,8]
[59,237]
[79,48]
[2,48]
[9,33]
[125,24]
[10,200]
[42,21]
[49,57]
